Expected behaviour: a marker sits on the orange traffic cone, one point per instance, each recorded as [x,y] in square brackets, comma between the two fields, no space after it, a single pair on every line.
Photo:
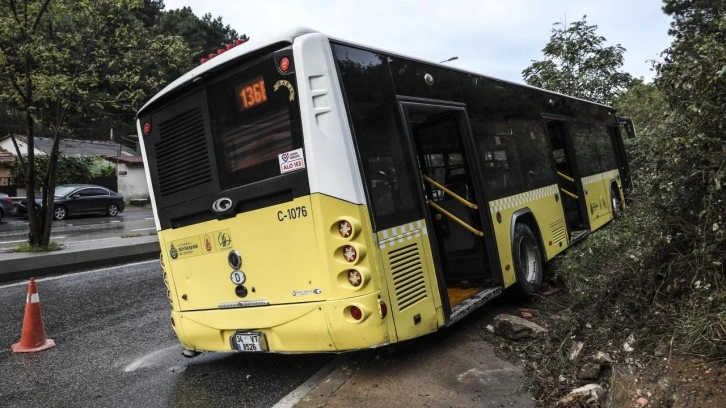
[32,338]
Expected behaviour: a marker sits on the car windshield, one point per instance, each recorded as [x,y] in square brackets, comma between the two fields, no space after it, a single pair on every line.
[62,191]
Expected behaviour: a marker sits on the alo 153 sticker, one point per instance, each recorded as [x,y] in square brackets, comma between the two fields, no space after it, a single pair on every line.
[291,161]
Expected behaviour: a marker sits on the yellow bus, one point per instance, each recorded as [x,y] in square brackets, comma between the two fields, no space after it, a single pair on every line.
[314,195]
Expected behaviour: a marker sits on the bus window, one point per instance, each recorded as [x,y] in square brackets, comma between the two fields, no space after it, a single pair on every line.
[514,154]
[252,123]
[379,137]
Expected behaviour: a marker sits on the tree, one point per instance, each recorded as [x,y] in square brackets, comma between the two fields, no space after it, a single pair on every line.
[203,35]
[645,105]
[70,58]
[693,73]
[578,63]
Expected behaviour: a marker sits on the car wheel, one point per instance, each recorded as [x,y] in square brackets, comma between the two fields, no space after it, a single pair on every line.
[112,210]
[527,260]
[59,212]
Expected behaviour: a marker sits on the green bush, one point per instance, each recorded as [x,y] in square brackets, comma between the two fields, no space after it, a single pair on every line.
[659,269]
[70,169]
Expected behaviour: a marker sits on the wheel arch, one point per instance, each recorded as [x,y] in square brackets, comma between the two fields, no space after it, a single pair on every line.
[526,216]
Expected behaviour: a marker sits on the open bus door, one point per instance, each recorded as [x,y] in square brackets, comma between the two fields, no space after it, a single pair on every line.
[452,198]
[571,194]
[626,124]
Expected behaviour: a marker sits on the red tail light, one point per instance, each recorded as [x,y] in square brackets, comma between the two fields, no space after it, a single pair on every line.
[284,64]
[356,313]
[355,278]
[349,253]
[345,229]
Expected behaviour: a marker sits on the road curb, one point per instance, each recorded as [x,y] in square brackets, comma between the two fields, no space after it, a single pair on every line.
[51,263]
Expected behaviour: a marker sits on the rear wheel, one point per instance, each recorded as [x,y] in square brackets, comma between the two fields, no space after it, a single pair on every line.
[527,260]
[60,212]
[112,210]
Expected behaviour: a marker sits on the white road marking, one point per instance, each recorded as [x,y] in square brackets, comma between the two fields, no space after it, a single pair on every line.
[298,393]
[143,229]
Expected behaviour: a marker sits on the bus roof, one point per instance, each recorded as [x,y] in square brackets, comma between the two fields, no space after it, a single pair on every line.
[256,43]
[253,44]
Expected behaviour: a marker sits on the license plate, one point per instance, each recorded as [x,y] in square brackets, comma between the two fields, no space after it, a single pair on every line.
[249,342]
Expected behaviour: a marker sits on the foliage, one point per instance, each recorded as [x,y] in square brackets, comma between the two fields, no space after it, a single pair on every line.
[578,63]
[203,35]
[71,169]
[646,106]
[660,269]
[693,74]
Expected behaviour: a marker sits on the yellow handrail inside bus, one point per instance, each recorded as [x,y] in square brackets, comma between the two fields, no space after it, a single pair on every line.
[569,194]
[449,192]
[455,219]
[566,177]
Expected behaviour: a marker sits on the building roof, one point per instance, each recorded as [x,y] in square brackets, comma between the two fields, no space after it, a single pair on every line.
[6,156]
[127,160]
[74,147]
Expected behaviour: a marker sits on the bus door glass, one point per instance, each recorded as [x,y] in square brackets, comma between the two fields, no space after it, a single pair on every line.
[436,133]
[570,187]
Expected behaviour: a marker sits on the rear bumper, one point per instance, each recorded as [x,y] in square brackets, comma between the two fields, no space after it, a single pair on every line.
[295,328]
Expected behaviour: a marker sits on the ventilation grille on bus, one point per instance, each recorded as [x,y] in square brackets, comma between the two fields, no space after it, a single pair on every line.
[182,160]
[408,279]
[558,231]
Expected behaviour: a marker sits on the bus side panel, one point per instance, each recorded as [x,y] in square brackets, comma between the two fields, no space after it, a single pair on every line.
[548,214]
[415,300]
[597,198]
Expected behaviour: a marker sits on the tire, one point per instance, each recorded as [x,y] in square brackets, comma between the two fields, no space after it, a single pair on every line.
[616,203]
[60,212]
[112,210]
[527,257]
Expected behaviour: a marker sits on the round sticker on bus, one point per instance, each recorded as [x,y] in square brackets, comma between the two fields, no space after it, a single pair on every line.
[238,277]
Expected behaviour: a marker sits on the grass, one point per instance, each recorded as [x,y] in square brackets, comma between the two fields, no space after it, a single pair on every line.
[26,247]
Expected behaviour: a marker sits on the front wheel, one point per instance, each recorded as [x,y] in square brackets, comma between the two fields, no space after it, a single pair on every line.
[60,212]
[112,210]
[617,203]
[527,260]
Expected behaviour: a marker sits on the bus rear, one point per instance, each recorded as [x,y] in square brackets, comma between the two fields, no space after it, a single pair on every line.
[254,259]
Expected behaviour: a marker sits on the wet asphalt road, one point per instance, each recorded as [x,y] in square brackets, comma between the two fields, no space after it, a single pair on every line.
[133,221]
[115,348]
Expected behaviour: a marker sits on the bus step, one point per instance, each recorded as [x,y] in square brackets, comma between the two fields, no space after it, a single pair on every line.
[577,236]
[472,303]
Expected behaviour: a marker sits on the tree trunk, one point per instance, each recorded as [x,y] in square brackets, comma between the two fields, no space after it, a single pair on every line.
[34,233]
[49,190]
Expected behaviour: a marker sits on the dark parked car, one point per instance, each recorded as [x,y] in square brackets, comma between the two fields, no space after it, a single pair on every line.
[77,199]
[6,205]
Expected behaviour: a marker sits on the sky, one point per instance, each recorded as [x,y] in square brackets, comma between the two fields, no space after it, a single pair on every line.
[497,38]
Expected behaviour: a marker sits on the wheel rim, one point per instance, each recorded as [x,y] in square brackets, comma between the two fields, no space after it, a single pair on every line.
[112,210]
[528,260]
[617,209]
[60,213]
